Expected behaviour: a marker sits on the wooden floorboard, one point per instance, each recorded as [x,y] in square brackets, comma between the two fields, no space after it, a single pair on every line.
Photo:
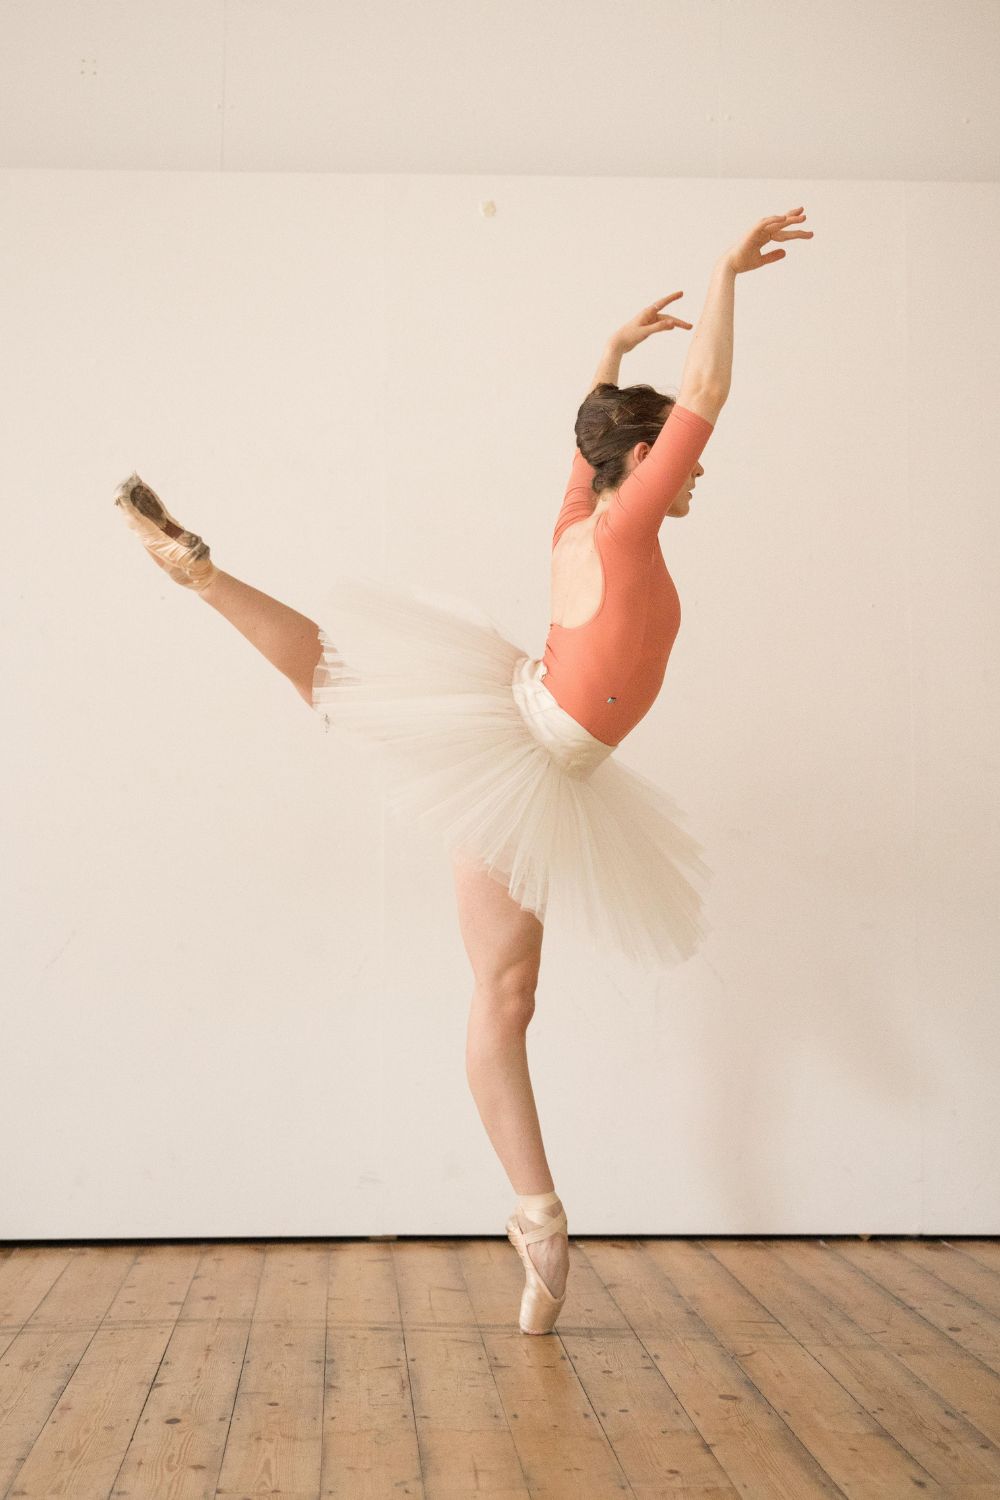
[693,1369]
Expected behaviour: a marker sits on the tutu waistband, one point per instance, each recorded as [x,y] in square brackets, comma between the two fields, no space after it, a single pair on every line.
[573,747]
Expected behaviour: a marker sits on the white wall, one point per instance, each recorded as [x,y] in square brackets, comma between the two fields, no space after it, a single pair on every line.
[804,89]
[235,994]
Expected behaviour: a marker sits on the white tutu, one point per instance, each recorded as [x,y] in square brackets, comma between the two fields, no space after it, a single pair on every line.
[477,749]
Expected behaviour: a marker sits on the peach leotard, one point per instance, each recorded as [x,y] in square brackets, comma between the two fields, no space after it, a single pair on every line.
[607,672]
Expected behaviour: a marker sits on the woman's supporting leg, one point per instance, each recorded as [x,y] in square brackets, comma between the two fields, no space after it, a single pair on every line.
[289,640]
[504,945]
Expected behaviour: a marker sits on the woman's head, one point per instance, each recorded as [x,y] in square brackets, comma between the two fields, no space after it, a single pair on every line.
[613,422]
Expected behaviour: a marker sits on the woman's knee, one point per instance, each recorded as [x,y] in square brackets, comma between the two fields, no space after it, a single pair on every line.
[507,998]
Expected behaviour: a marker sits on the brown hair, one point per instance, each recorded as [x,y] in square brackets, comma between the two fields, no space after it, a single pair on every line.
[611,421]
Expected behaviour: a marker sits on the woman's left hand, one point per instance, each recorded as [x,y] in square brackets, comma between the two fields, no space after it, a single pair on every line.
[650,320]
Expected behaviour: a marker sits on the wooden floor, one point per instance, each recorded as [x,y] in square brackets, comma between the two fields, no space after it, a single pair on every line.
[358,1368]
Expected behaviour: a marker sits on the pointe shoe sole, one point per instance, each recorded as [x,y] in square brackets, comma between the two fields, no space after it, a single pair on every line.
[181,553]
[539,1309]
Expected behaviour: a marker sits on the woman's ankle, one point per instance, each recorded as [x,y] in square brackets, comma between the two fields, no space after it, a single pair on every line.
[210,592]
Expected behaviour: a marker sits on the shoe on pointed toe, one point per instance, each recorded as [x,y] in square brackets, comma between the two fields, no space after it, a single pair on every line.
[179,552]
[539,1309]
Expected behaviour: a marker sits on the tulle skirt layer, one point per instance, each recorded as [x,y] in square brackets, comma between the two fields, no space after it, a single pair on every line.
[474,747]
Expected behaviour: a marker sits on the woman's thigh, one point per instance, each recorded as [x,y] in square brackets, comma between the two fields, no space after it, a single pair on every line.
[503,941]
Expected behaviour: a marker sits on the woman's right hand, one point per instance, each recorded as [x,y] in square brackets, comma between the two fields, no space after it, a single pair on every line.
[746,255]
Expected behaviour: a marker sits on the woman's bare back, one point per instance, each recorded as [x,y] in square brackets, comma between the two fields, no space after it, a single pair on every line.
[577,586]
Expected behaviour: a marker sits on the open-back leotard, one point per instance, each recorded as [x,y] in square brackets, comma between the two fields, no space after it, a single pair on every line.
[607,672]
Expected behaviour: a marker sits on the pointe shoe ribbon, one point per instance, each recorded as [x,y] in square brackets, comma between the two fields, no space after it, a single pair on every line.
[539,1309]
[181,553]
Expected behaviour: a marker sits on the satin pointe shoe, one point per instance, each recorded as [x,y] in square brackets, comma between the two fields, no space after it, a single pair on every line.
[539,1309]
[180,553]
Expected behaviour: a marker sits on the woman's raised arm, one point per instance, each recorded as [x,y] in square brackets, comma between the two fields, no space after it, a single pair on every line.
[708,369]
[609,367]
[649,320]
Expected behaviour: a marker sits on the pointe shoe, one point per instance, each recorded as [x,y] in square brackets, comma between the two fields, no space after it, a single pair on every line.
[539,1309]
[180,553]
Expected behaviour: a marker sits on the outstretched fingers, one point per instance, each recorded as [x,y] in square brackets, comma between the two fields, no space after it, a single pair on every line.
[667,320]
[778,224]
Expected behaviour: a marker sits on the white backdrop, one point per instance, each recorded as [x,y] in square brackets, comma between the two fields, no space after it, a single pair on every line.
[235,994]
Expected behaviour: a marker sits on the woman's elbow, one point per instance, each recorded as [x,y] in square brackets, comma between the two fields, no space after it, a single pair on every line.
[704,401]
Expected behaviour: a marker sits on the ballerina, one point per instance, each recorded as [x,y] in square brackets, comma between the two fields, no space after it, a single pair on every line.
[509,758]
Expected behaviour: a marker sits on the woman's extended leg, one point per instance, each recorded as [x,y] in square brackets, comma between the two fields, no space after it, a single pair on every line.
[289,640]
[504,945]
